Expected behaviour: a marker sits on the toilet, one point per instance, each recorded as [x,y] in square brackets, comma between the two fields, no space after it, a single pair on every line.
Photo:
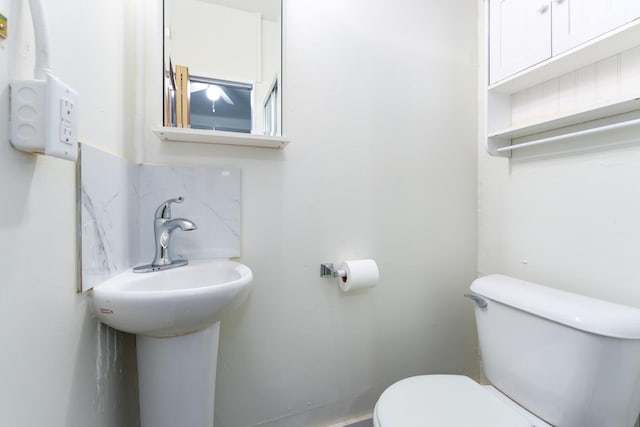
[552,358]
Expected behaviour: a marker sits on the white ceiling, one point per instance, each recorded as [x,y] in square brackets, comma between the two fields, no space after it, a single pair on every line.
[270,9]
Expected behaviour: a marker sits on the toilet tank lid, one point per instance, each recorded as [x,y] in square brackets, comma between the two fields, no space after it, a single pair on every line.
[577,311]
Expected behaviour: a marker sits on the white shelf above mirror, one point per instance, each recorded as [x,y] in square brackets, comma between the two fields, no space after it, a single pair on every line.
[219,137]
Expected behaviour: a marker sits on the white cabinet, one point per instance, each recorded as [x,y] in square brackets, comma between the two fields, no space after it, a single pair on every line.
[520,36]
[577,21]
[523,33]
[558,68]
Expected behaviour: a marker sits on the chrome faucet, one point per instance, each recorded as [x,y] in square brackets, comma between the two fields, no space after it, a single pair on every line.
[163,227]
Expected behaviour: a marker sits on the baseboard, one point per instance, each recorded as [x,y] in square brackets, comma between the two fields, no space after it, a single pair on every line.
[364,421]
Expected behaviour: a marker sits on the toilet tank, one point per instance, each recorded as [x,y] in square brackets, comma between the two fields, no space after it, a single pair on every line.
[571,360]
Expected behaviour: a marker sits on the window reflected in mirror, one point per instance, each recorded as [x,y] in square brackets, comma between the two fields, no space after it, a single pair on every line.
[222,65]
[220,105]
[271,112]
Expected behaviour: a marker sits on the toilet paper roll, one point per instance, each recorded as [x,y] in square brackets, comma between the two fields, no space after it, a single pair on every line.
[361,273]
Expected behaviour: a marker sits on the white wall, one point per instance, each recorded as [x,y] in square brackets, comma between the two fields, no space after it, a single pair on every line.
[380,102]
[58,367]
[566,214]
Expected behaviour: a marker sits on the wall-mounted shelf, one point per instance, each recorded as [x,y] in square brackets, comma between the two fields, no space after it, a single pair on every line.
[556,122]
[219,137]
[499,142]
[597,129]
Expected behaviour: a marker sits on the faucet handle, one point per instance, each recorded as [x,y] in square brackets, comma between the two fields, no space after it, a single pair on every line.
[164,210]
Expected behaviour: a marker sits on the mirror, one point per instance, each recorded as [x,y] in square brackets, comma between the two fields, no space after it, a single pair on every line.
[223,65]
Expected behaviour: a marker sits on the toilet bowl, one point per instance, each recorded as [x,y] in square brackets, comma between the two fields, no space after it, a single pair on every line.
[448,401]
[553,358]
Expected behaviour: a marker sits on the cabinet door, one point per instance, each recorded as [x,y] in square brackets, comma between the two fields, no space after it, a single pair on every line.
[578,21]
[519,35]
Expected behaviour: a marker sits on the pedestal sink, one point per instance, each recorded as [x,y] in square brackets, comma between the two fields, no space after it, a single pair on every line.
[175,315]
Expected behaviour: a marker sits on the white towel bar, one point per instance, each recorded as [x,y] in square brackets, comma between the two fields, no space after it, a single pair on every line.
[571,135]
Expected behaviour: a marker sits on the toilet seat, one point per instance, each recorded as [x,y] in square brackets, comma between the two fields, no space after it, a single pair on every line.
[444,401]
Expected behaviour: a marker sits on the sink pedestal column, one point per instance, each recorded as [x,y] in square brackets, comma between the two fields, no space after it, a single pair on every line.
[177,377]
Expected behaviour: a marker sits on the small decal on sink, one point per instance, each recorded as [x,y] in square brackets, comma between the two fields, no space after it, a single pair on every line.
[105,310]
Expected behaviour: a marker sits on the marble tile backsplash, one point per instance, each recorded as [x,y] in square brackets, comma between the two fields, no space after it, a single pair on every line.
[107,219]
[117,201]
[211,201]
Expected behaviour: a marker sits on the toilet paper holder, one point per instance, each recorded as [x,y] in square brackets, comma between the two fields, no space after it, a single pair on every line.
[327,270]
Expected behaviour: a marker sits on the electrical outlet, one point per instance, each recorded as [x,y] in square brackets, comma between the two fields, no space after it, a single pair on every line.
[67,118]
[61,120]
[44,117]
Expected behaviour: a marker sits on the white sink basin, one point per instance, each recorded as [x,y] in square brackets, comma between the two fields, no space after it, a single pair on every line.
[172,302]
